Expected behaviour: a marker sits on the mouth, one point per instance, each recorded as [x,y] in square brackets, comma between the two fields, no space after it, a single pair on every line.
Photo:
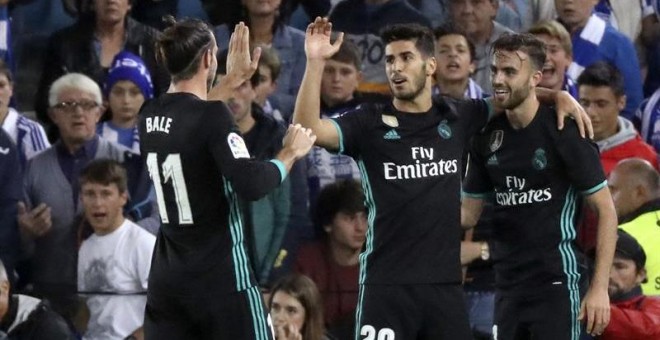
[500,93]
[453,66]
[99,215]
[398,80]
[548,70]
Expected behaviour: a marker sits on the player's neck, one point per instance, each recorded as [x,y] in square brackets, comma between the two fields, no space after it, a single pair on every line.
[453,88]
[420,104]
[520,116]
[196,85]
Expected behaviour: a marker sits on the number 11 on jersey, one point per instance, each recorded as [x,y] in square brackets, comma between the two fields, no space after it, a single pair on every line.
[172,175]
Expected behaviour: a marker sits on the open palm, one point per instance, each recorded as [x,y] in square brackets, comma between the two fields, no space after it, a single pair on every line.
[317,40]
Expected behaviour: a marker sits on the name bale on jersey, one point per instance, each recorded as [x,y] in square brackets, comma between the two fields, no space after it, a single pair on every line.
[158,124]
[424,165]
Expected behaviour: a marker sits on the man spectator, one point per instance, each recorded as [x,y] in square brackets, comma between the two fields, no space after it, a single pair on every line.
[89,46]
[11,192]
[476,19]
[29,137]
[594,40]
[27,318]
[362,21]
[559,51]
[601,92]
[635,186]
[114,262]
[267,218]
[454,54]
[333,262]
[48,220]
[633,316]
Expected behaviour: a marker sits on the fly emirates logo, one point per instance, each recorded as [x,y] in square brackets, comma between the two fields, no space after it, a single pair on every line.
[424,165]
[517,195]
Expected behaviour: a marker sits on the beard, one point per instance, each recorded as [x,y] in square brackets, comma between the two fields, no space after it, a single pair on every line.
[418,84]
[516,97]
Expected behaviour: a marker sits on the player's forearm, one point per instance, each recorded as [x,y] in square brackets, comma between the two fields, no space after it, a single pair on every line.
[308,102]
[546,96]
[606,237]
[287,157]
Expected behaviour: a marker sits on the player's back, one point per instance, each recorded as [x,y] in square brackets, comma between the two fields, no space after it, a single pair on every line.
[200,243]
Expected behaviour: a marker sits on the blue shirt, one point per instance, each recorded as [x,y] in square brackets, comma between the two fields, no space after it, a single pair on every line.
[647,120]
[600,41]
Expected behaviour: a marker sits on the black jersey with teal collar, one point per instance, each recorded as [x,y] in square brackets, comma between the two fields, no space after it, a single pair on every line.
[411,173]
[536,176]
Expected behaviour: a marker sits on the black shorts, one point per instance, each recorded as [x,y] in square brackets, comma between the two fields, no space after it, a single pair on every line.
[237,315]
[402,312]
[548,315]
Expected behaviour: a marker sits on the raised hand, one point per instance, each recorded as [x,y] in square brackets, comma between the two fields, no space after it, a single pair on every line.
[239,62]
[317,40]
[35,222]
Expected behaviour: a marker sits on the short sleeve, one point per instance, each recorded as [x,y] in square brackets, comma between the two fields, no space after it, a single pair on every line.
[351,127]
[581,159]
[474,113]
[477,183]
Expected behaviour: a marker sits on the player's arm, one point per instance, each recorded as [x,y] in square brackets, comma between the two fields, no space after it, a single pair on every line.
[566,106]
[240,66]
[471,208]
[595,307]
[308,102]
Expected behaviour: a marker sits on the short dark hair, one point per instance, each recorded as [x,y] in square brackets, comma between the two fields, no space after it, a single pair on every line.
[422,35]
[181,46]
[342,196]
[222,67]
[602,73]
[348,53]
[105,172]
[450,29]
[525,42]
[271,59]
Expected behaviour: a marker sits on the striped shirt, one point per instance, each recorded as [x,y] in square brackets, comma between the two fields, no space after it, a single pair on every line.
[473,90]
[570,86]
[129,138]
[647,120]
[29,136]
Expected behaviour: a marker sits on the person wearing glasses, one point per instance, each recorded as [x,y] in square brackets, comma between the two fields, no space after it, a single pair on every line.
[49,218]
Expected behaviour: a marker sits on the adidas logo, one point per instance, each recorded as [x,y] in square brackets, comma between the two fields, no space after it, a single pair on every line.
[493,160]
[392,134]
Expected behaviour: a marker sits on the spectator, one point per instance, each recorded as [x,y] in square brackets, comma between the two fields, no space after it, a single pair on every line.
[633,316]
[296,308]
[362,21]
[11,192]
[635,187]
[115,260]
[647,120]
[601,92]
[333,262]
[89,47]
[594,40]
[268,70]
[454,54]
[48,220]
[559,51]
[435,11]
[27,318]
[126,87]
[268,26]
[476,20]
[29,137]
[151,12]
[651,41]
[268,217]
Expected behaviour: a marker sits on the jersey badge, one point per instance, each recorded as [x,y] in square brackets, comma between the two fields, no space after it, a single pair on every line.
[539,161]
[390,121]
[392,134]
[444,130]
[237,146]
[492,160]
[496,138]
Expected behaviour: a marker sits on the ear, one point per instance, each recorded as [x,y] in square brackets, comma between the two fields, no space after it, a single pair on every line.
[101,109]
[327,228]
[431,65]
[641,276]
[124,197]
[360,76]
[4,288]
[536,78]
[621,102]
[472,67]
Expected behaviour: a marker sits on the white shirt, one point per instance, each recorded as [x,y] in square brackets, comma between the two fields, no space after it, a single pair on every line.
[118,265]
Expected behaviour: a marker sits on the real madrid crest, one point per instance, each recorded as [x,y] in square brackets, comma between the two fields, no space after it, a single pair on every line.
[390,121]
[539,161]
[444,130]
[496,138]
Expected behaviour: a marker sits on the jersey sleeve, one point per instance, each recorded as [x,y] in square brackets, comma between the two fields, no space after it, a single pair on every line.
[351,127]
[475,113]
[250,178]
[477,183]
[581,159]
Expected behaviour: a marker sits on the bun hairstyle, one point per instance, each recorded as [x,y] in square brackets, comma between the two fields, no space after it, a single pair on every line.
[180,48]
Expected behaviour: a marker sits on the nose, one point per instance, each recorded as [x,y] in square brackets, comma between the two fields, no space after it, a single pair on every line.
[496,78]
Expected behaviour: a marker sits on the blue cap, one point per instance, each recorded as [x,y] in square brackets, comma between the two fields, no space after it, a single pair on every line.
[128,66]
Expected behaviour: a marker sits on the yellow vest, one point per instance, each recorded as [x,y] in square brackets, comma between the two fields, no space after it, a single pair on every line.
[646,231]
